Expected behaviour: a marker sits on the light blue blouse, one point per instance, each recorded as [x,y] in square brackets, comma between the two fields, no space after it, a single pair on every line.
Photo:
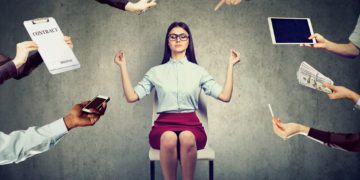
[355,35]
[178,84]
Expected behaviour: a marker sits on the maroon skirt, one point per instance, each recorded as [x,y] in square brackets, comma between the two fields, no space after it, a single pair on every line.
[177,122]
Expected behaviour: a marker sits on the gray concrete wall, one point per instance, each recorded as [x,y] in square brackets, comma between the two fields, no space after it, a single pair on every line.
[240,132]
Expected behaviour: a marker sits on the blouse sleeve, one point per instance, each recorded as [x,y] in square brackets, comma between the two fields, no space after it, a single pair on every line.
[31,63]
[209,85]
[145,86]
[120,4]
[348,142]
[7,68]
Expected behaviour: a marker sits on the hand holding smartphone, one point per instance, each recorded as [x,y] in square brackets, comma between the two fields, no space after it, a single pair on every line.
[96,103]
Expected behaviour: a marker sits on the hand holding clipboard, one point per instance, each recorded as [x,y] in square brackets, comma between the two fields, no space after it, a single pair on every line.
[57,55]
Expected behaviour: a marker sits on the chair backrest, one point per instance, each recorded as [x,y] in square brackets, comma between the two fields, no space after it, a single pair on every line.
[201,111]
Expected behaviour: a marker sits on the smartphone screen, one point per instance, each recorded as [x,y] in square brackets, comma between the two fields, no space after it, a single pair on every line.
[96,103]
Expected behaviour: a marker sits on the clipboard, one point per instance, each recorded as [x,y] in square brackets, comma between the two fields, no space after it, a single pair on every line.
[57,55]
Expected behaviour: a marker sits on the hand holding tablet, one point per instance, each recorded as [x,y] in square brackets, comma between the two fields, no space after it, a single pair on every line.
[321,42]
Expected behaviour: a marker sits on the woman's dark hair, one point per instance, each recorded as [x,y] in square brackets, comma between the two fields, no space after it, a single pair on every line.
[190,52]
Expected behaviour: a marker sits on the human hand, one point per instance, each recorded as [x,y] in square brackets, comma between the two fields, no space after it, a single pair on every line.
[68,41]
[141,6]
[287,130]
[22,52]
[24,48]
[321,42]
[78,118]
[234,57]
[340,92]
[228,2]
[120,58]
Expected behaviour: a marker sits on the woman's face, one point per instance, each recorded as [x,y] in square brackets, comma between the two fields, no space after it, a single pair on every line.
[178,40]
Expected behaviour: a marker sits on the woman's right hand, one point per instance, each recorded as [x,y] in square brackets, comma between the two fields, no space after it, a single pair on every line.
[120,58]
[22,52]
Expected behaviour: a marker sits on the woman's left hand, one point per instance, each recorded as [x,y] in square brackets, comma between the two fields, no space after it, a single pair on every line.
[234,57]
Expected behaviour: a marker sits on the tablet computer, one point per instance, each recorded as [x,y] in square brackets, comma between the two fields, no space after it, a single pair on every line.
[290,30]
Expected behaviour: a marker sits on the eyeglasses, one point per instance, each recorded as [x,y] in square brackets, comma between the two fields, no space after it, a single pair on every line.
[182,37]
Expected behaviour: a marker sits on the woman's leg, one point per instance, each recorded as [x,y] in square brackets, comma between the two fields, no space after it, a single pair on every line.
[188,154]
[168,155]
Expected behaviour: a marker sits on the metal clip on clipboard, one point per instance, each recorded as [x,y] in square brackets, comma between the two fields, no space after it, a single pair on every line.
[40,20]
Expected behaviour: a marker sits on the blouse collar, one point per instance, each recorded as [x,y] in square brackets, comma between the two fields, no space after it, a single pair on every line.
[181,61]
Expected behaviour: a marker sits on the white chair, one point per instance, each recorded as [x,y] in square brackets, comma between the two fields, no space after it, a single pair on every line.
[207,153]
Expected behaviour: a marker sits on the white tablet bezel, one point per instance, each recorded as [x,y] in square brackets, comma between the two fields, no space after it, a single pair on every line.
[273,35]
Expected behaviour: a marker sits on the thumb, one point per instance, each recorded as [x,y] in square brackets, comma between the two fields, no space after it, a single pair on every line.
[332,96]
[314,36]
[330,86]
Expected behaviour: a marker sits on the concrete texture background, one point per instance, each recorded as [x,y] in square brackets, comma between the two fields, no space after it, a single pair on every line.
[240,132]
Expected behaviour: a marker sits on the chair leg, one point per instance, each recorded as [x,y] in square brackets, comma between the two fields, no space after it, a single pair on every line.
[152,170]
[211,170]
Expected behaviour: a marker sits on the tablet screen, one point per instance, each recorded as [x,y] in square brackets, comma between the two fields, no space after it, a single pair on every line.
[291,30]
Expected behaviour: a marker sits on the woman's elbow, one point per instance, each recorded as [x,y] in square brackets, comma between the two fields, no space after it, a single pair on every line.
[224,98]
[354,51]
[132,99]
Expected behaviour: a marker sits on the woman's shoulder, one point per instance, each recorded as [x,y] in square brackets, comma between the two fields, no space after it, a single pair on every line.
[156,68]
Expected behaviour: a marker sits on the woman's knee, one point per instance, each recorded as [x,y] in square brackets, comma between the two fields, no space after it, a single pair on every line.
[187,140]
[168,140]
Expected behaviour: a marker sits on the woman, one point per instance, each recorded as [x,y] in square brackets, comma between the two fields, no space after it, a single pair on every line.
[178,82]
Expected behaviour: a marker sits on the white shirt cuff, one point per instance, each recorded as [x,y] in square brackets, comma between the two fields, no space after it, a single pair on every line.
[58,129]
[140,91]
[357,105]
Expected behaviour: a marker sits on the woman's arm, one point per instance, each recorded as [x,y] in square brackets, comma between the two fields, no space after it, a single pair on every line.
[129,91]
[226,92]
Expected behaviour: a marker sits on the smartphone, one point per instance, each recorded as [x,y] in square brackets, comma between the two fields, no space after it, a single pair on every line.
[96,103]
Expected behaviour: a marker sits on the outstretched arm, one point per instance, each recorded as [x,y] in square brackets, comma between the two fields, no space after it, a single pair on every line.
[226,92]
[129,91]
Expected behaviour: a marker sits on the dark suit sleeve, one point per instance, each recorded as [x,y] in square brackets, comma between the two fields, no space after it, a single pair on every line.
[348,142]
[7,68]
[31,63]
[120,4]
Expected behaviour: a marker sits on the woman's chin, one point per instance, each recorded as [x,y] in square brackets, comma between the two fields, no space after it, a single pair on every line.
[178,50]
